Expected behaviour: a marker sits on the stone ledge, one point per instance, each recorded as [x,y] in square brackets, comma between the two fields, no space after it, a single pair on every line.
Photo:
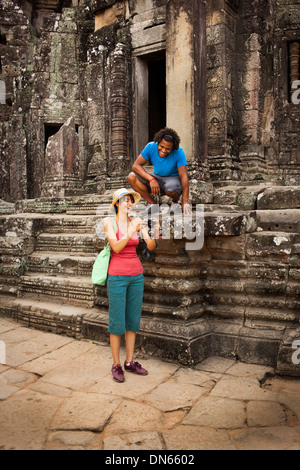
[187,342]
[279,198]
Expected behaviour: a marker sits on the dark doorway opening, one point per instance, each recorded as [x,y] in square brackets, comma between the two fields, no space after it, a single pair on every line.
[3,41]
[50,130]
[157,112]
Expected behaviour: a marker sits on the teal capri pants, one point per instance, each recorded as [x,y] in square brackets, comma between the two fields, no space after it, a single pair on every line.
[125,295]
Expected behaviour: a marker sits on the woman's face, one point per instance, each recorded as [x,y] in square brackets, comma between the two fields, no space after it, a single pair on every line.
[125,204]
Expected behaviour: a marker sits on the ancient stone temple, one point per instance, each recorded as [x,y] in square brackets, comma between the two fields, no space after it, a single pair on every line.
[84,85]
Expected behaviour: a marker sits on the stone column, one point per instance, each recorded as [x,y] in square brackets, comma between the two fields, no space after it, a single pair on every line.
[118,158]
[95,116]
[186,85]
[253,84]
[221,25]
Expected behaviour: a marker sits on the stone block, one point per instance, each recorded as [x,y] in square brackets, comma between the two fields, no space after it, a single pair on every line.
[226,195]
[285,220]
[272,246]
[230,248]
[279,198]
[222,224]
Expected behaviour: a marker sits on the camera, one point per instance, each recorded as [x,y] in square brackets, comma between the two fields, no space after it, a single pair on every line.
[151,223]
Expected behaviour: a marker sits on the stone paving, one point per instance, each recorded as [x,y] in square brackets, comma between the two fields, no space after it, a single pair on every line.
[57,393]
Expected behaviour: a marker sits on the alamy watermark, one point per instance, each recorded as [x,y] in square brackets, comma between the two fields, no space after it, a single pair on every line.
[174,224]
[296,354]
[2,353]
[2,92]
[296,94]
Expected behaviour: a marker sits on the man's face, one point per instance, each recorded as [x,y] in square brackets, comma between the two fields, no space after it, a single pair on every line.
[164,148]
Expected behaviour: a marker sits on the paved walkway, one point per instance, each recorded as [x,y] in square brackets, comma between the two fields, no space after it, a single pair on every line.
[57,393]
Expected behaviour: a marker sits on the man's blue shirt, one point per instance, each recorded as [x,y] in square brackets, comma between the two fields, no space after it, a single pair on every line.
[166,166]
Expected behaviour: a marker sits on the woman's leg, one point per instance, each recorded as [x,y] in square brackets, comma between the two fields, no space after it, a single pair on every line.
[133,313]
[115,344]
[130,337]
[116,289]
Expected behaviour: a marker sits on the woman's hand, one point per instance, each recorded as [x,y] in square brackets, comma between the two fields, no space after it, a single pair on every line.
[136,225]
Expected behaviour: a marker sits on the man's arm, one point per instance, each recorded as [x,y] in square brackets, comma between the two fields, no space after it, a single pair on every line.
[183,175]
[138,167]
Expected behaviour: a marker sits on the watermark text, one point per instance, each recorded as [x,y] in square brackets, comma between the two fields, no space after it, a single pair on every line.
[2,353]
[296,355]
[296,94]
[174,224]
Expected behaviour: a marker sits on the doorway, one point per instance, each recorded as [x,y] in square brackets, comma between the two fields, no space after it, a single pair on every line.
[150,98]
[157,96]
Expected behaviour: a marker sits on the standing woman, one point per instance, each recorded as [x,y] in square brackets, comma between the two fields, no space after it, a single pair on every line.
[125,283]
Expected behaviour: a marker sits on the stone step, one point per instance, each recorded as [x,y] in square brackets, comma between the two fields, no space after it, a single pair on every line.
[70,264]
[6,207]
[67,242]
[284,220]
[8,285]
[64,290]
[279,198]
[70,224]
[86,204]
[90,205]
[47,316]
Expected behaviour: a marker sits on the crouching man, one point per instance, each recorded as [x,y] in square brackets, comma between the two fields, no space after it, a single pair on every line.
[170,175]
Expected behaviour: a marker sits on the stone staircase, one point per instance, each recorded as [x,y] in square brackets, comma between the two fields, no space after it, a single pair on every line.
[53,287]
[238,296]
[60,267]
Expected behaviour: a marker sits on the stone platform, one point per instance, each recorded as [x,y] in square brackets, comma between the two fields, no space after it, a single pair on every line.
[236,297]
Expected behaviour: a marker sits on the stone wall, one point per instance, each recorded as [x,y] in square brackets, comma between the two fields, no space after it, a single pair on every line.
[87,60]
[251,120]
[236,296]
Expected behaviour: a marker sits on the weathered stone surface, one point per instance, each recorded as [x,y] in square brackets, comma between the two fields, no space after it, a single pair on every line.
[168,397]
[134,417]
[79,412]
[265,414]
[134,441]
[242,389]
[197,438]
[62,162]
[72,440]
[25,419]
[279,198]
[217,413]
[73,403]
[275,438]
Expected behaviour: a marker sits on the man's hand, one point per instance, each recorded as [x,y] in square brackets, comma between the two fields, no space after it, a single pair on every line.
[155,189]
[186,208]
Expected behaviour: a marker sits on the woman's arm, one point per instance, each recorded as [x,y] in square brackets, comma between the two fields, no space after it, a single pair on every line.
[116,245]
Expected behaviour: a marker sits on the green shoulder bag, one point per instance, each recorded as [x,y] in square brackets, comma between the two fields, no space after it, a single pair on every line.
[100,268]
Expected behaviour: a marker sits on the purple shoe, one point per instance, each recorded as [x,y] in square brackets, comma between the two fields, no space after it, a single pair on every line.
[136,368]
[118,373]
